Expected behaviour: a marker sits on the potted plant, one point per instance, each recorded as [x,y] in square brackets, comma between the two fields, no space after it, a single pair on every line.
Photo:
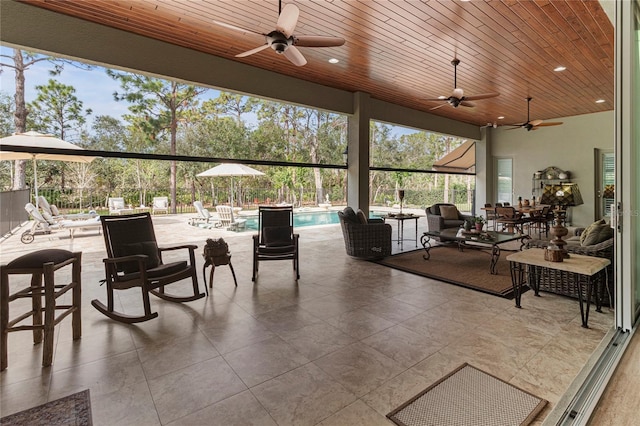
[479,223]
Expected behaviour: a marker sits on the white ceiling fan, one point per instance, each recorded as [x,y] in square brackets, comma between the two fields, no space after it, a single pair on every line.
[282,40]
[457,97]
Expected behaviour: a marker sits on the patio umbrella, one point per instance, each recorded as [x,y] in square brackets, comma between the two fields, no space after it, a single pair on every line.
[231,169]
[39,140]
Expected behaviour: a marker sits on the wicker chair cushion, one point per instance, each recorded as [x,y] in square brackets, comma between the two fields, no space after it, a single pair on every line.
[362,218]
[449,212]
[277,236]
[596,233]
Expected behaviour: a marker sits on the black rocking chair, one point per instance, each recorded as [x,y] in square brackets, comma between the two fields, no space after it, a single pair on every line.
[135,260]
[275,240]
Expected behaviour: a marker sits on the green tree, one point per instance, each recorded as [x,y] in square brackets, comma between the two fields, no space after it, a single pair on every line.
[58,110]
[20,62]
[157,107]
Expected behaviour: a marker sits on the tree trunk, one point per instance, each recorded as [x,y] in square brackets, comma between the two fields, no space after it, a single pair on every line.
[19,117]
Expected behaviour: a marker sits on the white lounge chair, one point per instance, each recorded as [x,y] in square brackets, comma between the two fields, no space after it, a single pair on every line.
[42,225]
[204,218]
[160,204]
[117,206]
[227,219]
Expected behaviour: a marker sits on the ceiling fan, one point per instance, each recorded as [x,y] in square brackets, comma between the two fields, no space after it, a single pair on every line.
[458,98]
[282,39]
[533,125]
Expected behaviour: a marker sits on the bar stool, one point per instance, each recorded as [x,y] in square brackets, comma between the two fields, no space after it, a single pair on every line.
[42,263]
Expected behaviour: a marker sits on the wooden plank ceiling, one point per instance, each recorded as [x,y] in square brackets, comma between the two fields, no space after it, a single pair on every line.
[400,51]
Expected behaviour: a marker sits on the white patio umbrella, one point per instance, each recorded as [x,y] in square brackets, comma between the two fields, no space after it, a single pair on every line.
[231,169]
[39,140]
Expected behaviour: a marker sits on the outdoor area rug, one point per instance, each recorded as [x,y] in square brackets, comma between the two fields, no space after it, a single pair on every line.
[469,268]
[74,410]
[469,396]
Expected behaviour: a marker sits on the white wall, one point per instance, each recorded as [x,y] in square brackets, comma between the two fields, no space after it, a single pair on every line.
[570,147]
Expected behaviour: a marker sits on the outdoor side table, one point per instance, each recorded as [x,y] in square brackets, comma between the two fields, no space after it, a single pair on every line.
[587,271]
[39,264]
[400,218]
[216,256]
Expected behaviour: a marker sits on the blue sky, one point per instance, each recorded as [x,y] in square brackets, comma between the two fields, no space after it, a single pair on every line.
[94,87]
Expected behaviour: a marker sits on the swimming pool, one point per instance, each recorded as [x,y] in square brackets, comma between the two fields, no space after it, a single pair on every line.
[300,219]
[303,218]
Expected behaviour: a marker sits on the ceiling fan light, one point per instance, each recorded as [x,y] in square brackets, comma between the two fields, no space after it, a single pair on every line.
[458,93]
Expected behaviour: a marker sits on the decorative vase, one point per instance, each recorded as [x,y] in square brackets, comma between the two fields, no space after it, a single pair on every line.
[479,226]
[401,197]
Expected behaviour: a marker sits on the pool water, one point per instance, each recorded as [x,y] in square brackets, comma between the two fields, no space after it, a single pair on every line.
[300,219]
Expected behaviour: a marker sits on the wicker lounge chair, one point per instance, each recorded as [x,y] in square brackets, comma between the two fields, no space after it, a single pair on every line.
[371,240]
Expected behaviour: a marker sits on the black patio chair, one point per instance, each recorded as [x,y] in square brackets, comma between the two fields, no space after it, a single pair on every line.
[135,260]
[275,239]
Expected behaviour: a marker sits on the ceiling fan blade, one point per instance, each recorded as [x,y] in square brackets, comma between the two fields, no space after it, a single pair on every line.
[288,19]
[482,96]
[439,106]
[318,41]
[252,51]
[535,123]
[294,55]
[549,123]
[467,103]
[233,27]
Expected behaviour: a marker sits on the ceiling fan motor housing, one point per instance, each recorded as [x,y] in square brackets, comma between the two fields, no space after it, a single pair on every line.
[278,41]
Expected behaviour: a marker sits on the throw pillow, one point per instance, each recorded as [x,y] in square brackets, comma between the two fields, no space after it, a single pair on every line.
[362,218]
[449,212]
[349,215]
[590,229]
[148,248]
[598,234]
[277,236]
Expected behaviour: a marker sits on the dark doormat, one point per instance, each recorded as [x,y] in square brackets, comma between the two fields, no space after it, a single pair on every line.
[469,268]
[469,397]
[74,410]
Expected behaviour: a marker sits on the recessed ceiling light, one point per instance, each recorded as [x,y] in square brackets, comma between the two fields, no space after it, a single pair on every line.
[333,61]
[560,68]
[442,97]
[600,101]
[501,117]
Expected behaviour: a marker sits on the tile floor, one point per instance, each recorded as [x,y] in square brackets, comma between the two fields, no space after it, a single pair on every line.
[346,344]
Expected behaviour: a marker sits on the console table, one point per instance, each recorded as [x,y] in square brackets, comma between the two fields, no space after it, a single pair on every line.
[589,271]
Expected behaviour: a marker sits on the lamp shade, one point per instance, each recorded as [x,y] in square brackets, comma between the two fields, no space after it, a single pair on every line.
[565,194]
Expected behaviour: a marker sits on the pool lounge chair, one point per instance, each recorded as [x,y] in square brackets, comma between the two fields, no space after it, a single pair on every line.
[160,204]
[117,206]
[42,225]
[227,220]
[204,219]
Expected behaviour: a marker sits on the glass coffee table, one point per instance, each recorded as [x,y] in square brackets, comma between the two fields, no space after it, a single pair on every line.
[484,240]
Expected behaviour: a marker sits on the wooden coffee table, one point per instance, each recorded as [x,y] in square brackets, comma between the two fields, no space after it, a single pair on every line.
[486,240]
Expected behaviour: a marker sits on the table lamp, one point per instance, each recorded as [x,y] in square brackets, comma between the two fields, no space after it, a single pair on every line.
[565,195]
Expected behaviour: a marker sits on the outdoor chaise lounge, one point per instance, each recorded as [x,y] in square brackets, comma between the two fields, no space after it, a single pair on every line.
[42,225]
